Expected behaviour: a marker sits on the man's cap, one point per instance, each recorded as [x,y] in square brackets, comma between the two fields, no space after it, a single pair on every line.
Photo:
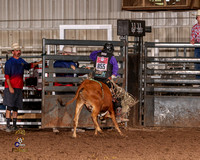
[66,49]
[197,14]
[15,46]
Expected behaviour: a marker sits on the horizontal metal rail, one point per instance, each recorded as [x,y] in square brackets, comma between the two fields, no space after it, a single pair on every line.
[173,89]
[72,80]
[171,45]
[67,70]
[65,79]
[24,123]
[24,88]
[28,100]
[181,72]
[80,42]
[23,111]
[77,70]
[174,81]
[75,58]
[2,57]
[172,59]
[61,88]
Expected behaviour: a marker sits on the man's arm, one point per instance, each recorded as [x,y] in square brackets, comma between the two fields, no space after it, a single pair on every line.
[35,64]
[7,76]
[28,66]
[115,69]
[73,65]
[9,84]
[192,36]
[93,55]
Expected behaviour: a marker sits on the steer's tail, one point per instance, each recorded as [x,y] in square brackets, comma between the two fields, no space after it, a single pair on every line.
[76,96]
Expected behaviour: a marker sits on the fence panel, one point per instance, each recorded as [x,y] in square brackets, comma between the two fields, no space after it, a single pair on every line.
[170,86]
[53,115]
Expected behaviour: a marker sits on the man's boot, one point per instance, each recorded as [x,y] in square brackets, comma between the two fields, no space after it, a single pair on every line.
[8,127]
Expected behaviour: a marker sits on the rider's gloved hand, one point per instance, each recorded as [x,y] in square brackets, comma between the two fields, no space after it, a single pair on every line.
[113,76]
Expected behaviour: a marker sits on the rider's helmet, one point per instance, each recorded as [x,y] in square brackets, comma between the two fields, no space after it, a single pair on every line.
[108,48]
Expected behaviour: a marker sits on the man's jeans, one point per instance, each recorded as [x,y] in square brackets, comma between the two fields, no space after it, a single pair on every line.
[197,65]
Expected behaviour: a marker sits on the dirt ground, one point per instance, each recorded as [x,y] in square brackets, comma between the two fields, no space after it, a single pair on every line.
[139,144]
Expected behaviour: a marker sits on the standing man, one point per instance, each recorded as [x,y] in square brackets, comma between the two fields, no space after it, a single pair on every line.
[195,38]
[14,71]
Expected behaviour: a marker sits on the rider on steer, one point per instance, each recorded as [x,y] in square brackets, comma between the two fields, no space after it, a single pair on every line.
[106,68]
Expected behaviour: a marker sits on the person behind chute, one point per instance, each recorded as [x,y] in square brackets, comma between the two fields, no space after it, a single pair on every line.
[65,64]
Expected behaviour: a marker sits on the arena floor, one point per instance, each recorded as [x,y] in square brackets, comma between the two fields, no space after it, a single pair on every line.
[139,144]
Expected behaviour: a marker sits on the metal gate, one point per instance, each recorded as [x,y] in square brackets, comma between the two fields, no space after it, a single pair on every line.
[170,90]
[53,115]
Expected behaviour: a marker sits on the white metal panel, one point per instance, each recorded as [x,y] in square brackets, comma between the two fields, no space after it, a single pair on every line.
[47,13]
[36,13]
[183,18]
[90,27]
[36,38]
[108,29]
[25,14]
[57,12]
[104,11]
[149,18]
[160,19]
[4,38]
[171,34]
[81,19]
[36,16]
[92,11]
[171,18]
[158,32]
[25,39]
[69,11]
[14,37]
[3,13]
[13,13]
[81,10]
[184,34]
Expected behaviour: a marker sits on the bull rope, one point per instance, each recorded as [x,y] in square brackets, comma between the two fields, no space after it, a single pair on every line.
[99,84]
[127,99]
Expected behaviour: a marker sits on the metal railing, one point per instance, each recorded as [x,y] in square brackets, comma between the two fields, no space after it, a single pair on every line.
[50,118]
[168,73]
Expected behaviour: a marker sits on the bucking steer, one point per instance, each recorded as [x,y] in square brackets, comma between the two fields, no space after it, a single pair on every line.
[96,96]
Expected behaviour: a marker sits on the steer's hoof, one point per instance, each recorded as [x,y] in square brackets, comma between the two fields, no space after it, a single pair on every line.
[55,130]
[121,134]
[73,136]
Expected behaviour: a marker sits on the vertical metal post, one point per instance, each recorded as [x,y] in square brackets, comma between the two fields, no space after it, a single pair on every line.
[126,62]
[184,64]
[145,55]
[177,50]
[55,49]
[185,52]
[43,72]
[125,54]
[141,53]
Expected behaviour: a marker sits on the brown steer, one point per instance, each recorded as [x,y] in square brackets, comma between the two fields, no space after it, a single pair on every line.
[96,96]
